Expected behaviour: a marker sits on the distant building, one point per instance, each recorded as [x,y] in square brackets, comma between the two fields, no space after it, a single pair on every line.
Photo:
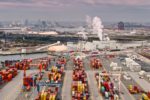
[1,25]
[120,26]
[26,23]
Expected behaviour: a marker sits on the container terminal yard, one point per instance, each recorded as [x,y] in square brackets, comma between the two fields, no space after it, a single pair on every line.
[86,65]
[74,73]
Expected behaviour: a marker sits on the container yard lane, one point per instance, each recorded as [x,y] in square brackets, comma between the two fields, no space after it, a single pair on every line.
[66,92]
[69,65]
[93,86]
[86,63]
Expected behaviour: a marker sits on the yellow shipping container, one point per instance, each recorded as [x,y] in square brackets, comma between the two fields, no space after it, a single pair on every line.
[50,97]
[45,94]
[42,96]
[53,97]
[145,97]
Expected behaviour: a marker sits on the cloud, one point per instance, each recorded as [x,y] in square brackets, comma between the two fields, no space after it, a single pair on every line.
[108,10]
[119,2]
[61,3]
[32,3]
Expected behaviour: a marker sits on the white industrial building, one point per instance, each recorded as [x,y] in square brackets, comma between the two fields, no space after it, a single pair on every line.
[114,66]
[133,66]
[112,45]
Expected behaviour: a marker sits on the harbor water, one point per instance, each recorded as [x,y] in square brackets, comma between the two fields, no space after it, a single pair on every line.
[22,56]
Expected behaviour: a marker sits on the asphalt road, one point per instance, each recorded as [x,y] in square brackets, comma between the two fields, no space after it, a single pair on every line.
[93,86]
[69,65]
[66,91]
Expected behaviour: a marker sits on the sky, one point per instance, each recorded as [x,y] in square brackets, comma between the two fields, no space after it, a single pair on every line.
[75,10]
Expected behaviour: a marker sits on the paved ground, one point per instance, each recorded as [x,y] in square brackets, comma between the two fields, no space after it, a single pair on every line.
[69,65]
[93,86]
[86,63]
[13,88]
[142,82]
[66,91]
[126,95]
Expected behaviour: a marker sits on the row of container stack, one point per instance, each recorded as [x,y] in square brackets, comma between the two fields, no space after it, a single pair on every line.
[7,74]
[53,87]
[28,63]
[80,89]
[30,81]
[56,74]
[135,90]
[146,96]
[52,92]
[95,63]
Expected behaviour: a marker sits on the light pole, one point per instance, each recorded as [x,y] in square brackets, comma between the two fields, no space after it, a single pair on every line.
[33,86]
[5,37]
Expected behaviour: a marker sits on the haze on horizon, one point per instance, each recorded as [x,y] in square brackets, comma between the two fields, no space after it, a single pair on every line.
[75,10]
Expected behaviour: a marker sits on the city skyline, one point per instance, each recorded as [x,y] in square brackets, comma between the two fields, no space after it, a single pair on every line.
[76,10]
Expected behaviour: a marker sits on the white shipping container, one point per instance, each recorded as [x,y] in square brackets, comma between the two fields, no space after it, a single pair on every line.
[116,68]
[148,76]
[113,64]
[142,73]
[126,77]
[116,97]
[135,67]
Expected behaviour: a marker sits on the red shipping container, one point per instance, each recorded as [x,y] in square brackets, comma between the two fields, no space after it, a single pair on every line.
[9,77]
[106,85]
